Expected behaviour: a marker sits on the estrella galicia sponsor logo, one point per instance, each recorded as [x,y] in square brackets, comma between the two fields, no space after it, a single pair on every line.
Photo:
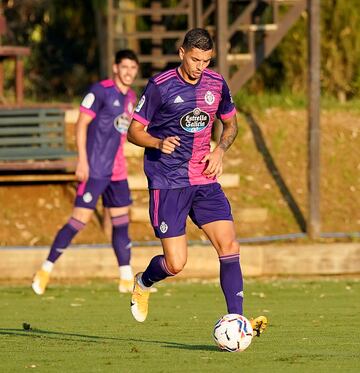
[195,120]
[122,122]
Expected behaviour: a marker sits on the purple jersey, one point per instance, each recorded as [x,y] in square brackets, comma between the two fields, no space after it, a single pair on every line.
[111,111]
[170,106]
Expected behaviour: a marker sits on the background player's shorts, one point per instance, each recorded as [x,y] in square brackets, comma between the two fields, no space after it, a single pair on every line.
[169,208]
[114,193]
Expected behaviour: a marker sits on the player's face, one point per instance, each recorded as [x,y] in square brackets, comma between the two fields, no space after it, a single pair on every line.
[125,71]
[194,62]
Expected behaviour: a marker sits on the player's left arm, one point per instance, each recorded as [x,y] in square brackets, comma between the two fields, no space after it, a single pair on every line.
[215,158]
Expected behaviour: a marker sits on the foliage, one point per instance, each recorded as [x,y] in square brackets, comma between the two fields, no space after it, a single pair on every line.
[68,38]
[61,34]
[286,68]
[341,47]
[248,101]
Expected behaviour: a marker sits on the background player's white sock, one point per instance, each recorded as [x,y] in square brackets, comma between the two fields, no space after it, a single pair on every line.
[126,272]
[47,266]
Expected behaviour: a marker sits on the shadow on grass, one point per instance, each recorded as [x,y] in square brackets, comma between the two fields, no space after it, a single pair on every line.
[85,338]
[274,171]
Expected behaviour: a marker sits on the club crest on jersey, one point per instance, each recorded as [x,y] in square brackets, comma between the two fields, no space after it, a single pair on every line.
[140,104]
[121,123]
[209,98]
[195,120]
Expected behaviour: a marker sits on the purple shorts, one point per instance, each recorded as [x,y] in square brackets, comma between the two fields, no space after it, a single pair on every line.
[169,208]
[114,193]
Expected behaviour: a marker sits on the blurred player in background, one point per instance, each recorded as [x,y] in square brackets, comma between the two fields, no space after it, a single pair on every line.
[105,115]
[178,108]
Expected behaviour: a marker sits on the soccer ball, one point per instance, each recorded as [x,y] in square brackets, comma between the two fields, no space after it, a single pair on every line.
[233,333]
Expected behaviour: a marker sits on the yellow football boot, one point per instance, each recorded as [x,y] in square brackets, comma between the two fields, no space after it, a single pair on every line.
[126,286]
[259,324]
[139,300]
[40,281]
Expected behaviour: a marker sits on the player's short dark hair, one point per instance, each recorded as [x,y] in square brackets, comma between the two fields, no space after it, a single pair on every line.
[198,38]
[125,53]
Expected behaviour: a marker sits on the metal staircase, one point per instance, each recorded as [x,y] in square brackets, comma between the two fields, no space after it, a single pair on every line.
[246,32]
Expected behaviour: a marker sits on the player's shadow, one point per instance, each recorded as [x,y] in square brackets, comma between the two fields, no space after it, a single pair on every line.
[183,346]
[274,171]
[38,333]
[86,338]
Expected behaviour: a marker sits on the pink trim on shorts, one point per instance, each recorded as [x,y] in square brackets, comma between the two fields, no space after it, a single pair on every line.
[120,220]
[89,112]
[156,195]
[141,119]
[81,188]
[228,115]
[77,224]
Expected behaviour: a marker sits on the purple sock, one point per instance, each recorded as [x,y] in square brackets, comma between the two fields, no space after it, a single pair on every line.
[232,282]
[156,271]
[63,238]
[120,239]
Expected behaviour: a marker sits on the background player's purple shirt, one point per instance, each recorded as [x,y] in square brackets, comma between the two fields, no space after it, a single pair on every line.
[111,111]
[170,106]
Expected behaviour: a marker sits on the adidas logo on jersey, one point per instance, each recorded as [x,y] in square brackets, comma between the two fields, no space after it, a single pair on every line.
[116,103]
[178,100]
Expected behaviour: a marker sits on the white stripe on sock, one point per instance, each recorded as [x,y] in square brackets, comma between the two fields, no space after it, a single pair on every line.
[126,272]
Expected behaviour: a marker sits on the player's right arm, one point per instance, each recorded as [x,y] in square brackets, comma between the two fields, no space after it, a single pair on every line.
[138,136]
[149,103]
[82,166]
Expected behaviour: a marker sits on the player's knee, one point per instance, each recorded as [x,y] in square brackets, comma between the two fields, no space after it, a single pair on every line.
[175,267]
[83,215]
[230,247]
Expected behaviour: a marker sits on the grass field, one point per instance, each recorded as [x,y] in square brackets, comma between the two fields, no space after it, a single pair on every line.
[314,327]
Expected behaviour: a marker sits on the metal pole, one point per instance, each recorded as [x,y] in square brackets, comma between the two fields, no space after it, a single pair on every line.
[221,37]
[110,37]
[313,227]
[198,6]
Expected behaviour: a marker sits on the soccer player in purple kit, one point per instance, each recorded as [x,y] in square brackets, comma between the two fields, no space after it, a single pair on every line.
[178,108]
[105,115]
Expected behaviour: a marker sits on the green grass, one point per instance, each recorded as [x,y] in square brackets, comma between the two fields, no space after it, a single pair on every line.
[246,101]
[314,327]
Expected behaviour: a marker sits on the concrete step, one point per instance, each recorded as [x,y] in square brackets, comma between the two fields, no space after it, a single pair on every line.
[267,260]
